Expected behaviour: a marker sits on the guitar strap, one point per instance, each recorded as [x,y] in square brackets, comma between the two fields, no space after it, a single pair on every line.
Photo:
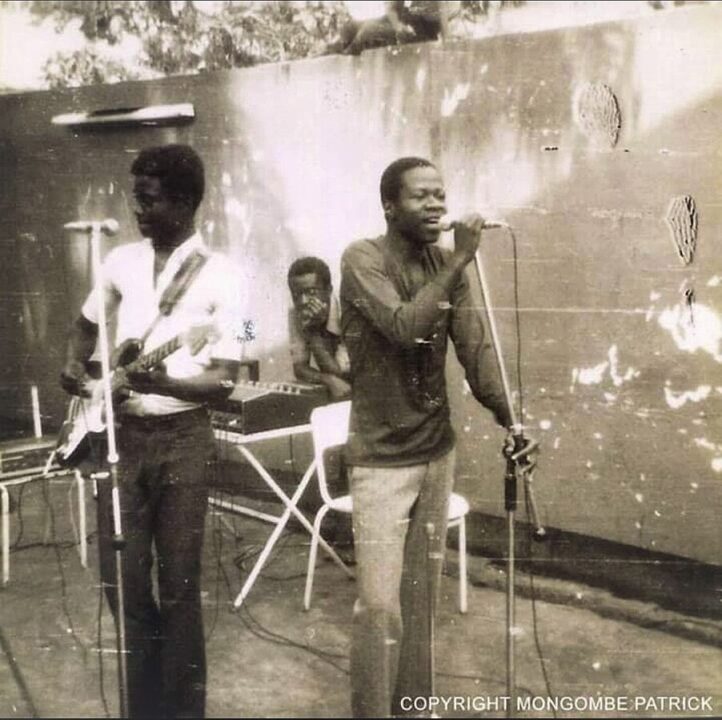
[185,275]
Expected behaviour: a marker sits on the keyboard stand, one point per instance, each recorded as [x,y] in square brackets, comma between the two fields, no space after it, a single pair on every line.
[241,443]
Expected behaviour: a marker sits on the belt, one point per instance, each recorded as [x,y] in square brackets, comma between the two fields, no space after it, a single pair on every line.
[156,422]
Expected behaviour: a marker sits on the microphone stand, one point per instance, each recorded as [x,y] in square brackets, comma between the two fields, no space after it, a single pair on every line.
[118,540]
[431,558]
[517,465]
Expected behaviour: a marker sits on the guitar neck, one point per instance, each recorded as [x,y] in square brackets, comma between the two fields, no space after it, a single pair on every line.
[155,356]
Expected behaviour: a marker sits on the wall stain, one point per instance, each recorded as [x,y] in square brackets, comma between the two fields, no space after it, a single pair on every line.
[597,114]
[689,299]
[682,219]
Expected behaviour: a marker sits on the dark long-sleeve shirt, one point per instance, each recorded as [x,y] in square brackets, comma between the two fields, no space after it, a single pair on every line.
[396,329]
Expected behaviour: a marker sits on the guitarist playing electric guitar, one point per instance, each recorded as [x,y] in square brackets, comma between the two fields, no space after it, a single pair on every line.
[164,435]
[86,417]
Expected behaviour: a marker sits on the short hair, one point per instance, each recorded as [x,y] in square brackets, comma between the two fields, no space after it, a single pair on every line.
[178,167]
[392,177]
[307,265]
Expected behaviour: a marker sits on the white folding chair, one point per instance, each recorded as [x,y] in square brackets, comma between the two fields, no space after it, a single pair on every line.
[79,482]
[329,428]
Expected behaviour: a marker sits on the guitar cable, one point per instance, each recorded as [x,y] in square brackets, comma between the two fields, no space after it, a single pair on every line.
[530,540]
[18,676]
[249,621]
[257,629]
[99,650]
[63,581]
[15,546]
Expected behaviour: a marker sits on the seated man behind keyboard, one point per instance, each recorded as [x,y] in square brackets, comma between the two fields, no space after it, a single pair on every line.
[317,352]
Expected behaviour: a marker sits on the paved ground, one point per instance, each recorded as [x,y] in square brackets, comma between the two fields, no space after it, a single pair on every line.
[275,660]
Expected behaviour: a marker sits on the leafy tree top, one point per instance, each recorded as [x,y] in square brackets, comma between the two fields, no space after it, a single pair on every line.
[185,37]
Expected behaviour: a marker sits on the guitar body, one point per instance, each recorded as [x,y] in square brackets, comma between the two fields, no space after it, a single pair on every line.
[84,425]
[85,422]
[85,419]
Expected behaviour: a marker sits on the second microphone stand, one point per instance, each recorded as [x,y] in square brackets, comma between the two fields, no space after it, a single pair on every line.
[518,466]
[118,540]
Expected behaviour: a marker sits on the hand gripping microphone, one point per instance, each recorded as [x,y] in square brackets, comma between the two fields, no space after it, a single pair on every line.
[448,224]
[107,227]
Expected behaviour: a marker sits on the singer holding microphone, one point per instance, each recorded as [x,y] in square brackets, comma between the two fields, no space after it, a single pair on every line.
[402,297]
[160,288]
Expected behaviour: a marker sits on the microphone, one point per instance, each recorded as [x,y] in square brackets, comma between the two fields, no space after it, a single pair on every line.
[107,227]
[448,225]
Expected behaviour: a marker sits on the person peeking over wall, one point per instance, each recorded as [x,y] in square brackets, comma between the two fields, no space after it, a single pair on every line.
[317,351]
[404,21]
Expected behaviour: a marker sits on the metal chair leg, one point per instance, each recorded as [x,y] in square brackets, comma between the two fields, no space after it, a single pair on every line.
[82,523]
[312,555]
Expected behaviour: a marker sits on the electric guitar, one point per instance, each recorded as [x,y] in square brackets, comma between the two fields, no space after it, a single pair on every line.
[85,420]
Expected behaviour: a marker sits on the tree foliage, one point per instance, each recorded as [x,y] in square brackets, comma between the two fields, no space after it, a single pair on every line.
[188,36]
[185,37]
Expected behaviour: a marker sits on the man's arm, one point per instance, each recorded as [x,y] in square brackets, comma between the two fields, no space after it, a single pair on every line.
[213,384]
[300,351]
[304,343]
[305,373]
[81,343]
[83,335]
[321,349]
[366,285]
[476,354]
[329,373]
[338,387]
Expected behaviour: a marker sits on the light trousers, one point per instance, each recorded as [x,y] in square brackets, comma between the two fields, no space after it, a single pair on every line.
[398,569]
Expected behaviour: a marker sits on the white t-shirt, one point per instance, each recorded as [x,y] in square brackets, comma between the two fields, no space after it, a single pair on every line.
[215,299]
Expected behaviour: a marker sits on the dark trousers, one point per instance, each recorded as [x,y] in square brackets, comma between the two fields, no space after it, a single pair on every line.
[163,498]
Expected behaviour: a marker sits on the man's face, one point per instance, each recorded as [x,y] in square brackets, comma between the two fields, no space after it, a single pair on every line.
[421,203]
[159,216]
[310,296]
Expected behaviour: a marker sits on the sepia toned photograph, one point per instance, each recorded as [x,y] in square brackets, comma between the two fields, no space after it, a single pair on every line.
[360,359]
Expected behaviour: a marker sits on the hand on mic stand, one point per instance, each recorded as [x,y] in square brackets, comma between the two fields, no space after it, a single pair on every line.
[521,452]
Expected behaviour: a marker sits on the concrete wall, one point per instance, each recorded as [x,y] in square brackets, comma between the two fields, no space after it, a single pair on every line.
[621,338]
